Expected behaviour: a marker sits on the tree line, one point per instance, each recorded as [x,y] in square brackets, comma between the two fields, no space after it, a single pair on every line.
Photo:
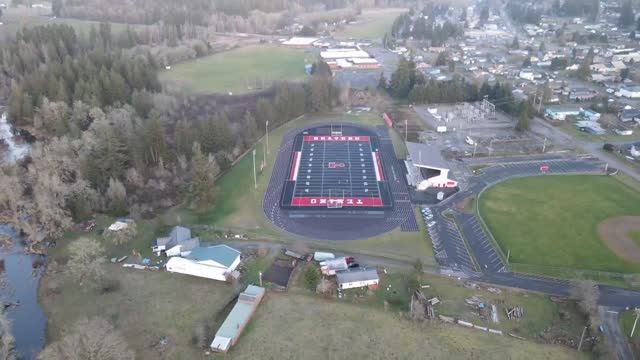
[50,63]
[195,12]
[117,144]
[524,13]
[409,83]
[405,26]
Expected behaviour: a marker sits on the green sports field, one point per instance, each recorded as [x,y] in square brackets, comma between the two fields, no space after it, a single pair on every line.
[372,24]
[238,71]
[552,221]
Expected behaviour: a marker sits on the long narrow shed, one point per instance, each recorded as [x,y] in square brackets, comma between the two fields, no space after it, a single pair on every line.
[238,318]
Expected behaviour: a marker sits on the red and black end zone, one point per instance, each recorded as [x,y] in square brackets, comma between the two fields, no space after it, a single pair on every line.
[336,168]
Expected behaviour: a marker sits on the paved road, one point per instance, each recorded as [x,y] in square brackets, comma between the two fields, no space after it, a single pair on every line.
[618,341]
[540,126]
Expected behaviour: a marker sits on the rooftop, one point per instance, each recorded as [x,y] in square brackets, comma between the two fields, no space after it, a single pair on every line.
[424,155]
[357,275]
[221,254]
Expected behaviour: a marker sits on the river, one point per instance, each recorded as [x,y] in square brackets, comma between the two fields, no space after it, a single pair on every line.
[14,150]
[19,281]
[20,287]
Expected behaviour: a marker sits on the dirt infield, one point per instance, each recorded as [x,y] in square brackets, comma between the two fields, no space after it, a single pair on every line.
[615,232]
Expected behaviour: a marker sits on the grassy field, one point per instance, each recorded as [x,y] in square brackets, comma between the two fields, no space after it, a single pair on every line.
[553,220]
[148,306]
[239,71]
[15,19]
[372,24]
[239,209]
[347,331]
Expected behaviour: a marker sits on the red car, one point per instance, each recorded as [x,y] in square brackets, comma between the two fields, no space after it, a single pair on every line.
[349,259]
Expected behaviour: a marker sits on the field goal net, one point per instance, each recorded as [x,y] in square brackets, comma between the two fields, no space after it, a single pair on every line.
[336,130]
[335,202]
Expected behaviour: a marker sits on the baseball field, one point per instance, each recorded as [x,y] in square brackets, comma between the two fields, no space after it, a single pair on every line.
[577,222]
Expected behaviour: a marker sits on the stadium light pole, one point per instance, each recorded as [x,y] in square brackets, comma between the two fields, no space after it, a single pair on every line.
[255,179]
[266,127]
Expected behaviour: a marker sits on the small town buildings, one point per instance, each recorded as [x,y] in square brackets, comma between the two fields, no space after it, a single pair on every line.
[582,94]
[213,262]
[358,278]
[300,42]
[561,112]
[238,318]
[630,91]
[332,267]
[178,243]
[629,115]
[589,115]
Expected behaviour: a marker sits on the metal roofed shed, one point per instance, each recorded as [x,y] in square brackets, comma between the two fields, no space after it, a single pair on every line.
[214,262]
[423,155]
[358,278]
[232,327]
[222,254]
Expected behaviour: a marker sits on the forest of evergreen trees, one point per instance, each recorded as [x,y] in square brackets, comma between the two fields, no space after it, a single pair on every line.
[109,139]
[406,26]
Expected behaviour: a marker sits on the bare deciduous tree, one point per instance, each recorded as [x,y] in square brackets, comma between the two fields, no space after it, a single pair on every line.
[86,261]
[586,293]
[124,235]
[7,343]
[94,339]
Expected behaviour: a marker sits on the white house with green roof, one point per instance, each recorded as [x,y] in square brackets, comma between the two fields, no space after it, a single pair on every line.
[212,262]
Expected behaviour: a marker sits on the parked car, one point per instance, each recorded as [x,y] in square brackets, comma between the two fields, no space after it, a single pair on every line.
[431,224]
[349,259]
[428,217]
[353,266]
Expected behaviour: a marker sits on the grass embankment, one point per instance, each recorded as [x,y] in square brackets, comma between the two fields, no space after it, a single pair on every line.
[626,320]
[552,221]
[239,207]
[371,24]
[359,322]
[238,71]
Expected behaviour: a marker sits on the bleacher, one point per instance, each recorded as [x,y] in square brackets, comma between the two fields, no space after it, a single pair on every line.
[413,174]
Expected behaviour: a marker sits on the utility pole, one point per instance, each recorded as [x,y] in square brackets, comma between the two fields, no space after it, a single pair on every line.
[260,275]
[635,323]
[255,179]
[508,255]
[405,130]
[606,168]
[544,146]
[266,126]
[475,146]
[582,337]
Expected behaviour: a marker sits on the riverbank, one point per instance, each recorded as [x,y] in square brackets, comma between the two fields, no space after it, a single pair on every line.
[20,281]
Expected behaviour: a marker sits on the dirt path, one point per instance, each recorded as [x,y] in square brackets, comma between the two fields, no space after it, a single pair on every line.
[615,233]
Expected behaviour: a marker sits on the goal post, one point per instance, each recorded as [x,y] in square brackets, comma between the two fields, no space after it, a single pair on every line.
[335,202]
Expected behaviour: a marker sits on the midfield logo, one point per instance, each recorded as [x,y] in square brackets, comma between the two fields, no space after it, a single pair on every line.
[334,165]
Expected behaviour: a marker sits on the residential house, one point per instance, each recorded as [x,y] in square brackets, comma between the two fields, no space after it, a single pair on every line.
[213,262]
[561,112]
[358,278]
[589,115]
[630,91]
[629,115]
[178,243]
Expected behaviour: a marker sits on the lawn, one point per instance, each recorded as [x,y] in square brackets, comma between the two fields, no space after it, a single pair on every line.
[239,70]
[552,221]
[371,24]
[148,306]
[338,330]
[238,206]
[15,19]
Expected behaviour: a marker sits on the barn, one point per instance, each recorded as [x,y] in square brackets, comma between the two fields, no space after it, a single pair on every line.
[213,262]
